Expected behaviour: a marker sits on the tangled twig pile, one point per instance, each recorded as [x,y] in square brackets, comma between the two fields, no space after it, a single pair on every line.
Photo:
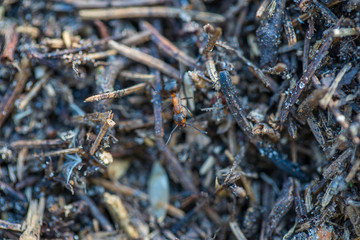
[260,140]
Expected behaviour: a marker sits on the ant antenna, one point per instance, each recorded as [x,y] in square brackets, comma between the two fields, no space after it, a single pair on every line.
[202,131]
[171,134]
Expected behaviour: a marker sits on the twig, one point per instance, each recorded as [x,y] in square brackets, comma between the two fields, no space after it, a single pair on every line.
[289,31]
[11,39]
[137,38]
[20,163]
[119,214]
[308,36]
[326,99]
[105,80]
[146,121]
[304,80]
[108,123]
[354,169]
[176,171]
[145,59]
[213,35]
[265,148]
[266,80]
[59,54]
[239,235]
[137,76]
[55,153]
[168,47]
[310,13]
[34,91]
[149,12]
[156,100]
[5,225]
[264,4]
[113,3]
[245,181]
[9,191]
[34,220]
[38,143]
[133,40]
[8,101]
[117,94]
[104,222]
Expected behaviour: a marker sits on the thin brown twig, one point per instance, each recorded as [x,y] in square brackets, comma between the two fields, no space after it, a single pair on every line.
[95,211]
[137,76]
[266,80]
[129,191]
[55,153]
[80,4]
[145,59]
[168,47]
[117,94]
[133,40]
[146,121]
[33,92]
[11,39]
[38,143]
[108,123]
[149,12]
[175,169]
[8,101]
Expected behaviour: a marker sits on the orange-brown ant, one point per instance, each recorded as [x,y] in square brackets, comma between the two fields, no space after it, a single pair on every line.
[171,87]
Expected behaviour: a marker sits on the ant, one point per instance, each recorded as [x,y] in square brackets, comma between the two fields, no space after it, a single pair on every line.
[171,87]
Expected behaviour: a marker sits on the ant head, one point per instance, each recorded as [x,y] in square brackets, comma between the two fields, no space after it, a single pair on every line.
[171,86]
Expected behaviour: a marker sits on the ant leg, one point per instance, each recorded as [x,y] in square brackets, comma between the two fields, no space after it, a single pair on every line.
[202,131]
[166,107]
[186,98]
[171,135]
[188,110]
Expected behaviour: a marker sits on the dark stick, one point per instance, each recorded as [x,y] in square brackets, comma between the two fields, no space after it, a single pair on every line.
[266,149]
